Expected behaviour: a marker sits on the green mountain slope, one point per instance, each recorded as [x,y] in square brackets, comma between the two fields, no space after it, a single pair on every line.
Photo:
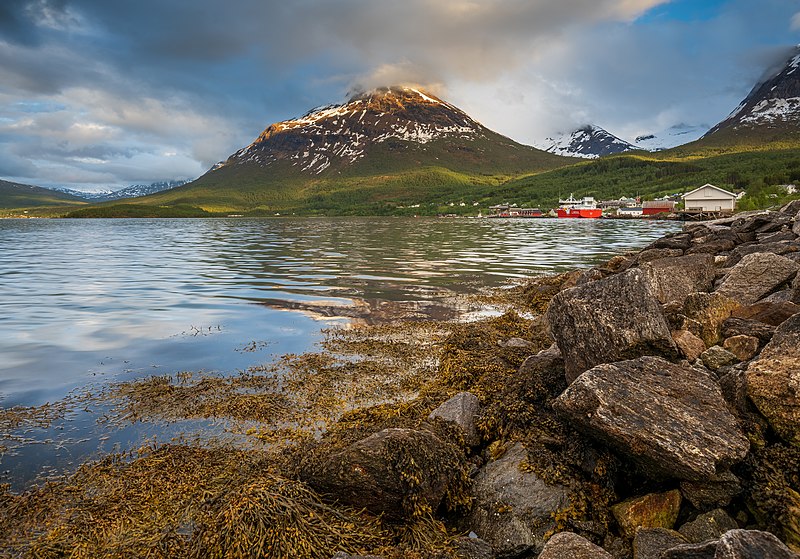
[388,148]
[18,196]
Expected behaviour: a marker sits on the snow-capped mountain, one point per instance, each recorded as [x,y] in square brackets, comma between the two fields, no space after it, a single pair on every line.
[588,141]
[671,137]
[395,126]
[774,103]
[133,191]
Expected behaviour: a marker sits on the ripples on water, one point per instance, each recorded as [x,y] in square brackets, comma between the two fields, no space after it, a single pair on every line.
[87,301]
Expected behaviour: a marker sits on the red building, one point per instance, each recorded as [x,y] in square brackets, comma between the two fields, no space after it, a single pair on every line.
[654,207]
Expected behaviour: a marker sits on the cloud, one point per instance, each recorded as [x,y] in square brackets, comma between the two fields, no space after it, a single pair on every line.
[795,23]
[104,91]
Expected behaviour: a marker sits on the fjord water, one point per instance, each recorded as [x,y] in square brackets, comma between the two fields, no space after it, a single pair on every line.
[88,302]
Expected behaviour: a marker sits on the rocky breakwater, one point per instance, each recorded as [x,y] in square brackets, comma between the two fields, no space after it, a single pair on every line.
[662,423]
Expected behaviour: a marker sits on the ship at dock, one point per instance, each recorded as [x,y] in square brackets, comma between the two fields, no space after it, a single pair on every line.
[585,207]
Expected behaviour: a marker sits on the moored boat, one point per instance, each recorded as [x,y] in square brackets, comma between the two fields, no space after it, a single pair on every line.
[585,207]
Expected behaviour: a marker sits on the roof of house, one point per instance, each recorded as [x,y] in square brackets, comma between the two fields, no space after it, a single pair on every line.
[708,185]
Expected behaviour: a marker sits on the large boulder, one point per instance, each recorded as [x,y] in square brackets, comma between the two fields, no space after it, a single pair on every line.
[752,544]
[570,545]
[514,509]
[609,320]
[718,491]
[462,410]
[773,381]
[775,247]
[673,279]
[671,419]
[746,327]
[394,472]
[757,275]
[656,510]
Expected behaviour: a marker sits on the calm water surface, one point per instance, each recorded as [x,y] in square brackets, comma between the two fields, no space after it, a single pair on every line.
[86,302]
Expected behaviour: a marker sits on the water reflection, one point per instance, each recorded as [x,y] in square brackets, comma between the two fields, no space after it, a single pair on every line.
[92,301]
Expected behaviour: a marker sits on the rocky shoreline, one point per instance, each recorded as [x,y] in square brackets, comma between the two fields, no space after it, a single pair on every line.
[679,365]
[648,408]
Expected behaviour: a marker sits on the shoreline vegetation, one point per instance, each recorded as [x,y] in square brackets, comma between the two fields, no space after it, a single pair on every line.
[645,408]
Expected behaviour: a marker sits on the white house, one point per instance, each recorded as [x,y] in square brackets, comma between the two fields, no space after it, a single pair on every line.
[709,198]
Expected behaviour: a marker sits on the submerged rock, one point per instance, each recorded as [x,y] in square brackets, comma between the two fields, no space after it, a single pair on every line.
[757,275]
[773,381]
[609,320]
[671,419]
[514,509]
[570,545]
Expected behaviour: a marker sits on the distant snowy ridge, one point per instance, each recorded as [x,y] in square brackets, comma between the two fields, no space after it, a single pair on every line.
[588,141]
[133,191]
[673,136]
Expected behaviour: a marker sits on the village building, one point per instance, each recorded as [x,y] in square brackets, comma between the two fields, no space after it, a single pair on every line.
[709,198]
[655,207]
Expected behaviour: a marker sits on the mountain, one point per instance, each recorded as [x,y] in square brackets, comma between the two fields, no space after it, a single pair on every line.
[133,191]
[387,147]
[15,195]
[673,136]
[770,112]
[588,141]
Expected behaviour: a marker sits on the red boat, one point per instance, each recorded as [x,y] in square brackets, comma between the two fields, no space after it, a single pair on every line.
[585,207]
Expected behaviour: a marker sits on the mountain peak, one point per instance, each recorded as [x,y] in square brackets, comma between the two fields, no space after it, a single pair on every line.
[773,103]
[335,136]
[588,141]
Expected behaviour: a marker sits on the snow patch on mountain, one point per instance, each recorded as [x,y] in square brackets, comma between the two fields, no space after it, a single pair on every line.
[343,133]
[671,137]
[589,142]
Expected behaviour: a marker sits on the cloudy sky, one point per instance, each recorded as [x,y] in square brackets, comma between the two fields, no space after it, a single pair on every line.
[106,93]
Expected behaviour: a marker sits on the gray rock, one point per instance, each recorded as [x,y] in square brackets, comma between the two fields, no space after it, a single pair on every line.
[673,279]
[671,419]
[773,381]
[779,247]
[712,246]
[473,548]
[782,296]
[752,544]
[673,241]
[517,342]
[514,509]
[569,545]
[796,225]
[463,410]
[692,551]
[609,320]
[708,526]
[650,254]
[716,358]
[710,311]
[717,491]
[765,222]
[785,234]
[791,208]
[757,275]
[650,543]
[374,473]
